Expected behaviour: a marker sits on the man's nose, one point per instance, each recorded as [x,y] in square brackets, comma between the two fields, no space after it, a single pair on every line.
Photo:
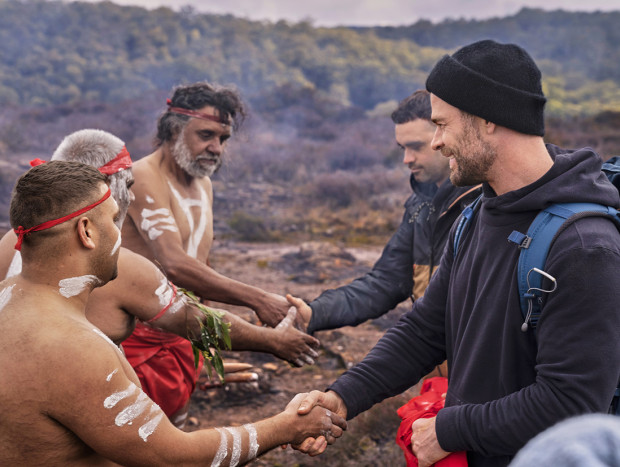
[436,142]
[215,146]
[408,156]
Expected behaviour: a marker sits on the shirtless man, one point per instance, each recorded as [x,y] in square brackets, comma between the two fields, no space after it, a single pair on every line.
[67,394]
[142,291]
[171,220]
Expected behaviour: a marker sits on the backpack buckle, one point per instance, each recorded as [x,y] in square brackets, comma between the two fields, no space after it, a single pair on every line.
[521,240]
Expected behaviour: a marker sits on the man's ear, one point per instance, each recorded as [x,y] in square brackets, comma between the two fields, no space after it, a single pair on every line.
[86,230]
[489,127]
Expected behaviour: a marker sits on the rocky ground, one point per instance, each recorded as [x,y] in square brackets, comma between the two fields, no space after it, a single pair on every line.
[303,270]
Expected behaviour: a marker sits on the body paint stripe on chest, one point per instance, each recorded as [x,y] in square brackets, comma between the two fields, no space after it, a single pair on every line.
[195,236]
[154,225]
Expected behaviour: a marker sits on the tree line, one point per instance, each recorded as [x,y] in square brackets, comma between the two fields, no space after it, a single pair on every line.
[56,53]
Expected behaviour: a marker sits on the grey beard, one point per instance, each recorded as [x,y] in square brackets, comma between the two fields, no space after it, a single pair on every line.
[183,158]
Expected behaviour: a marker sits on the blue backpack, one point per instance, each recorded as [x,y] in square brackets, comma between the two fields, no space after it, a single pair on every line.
[535,245]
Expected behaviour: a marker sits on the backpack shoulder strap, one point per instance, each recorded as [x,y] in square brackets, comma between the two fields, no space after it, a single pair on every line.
[534,247]
[466,216]
[611,168]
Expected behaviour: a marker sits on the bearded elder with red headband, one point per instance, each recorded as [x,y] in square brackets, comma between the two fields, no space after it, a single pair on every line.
[171,220]
[143,293]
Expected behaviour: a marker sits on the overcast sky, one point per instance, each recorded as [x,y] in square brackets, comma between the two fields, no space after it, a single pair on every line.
[372,12]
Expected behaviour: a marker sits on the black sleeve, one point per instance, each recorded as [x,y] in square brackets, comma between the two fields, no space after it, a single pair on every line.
[389,283]
[404,354]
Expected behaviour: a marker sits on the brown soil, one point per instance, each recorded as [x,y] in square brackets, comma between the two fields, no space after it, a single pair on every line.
[369,440]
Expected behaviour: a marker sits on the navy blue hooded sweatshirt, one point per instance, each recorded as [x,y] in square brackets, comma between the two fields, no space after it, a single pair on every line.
[507,385]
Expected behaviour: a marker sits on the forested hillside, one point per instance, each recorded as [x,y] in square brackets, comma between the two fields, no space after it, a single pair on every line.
[63,53]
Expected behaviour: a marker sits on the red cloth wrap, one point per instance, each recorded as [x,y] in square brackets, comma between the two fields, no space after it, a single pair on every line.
[164,362]
[430,401]
[122,161]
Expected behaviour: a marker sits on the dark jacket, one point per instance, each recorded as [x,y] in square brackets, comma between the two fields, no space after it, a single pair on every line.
[406,264]
[507,385]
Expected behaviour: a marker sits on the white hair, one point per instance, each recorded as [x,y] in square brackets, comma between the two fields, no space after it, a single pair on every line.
[97,148]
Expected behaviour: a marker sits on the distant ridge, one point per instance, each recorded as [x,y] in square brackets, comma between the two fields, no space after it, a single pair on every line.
[64,53]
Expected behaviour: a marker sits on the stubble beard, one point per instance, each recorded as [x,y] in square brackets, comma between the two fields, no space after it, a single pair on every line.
[473,168]
[191,166]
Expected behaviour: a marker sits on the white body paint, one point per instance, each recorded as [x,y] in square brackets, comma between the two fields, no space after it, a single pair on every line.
[132,411]
[109,377]
[149,199]
[155,221]
[164,292]
[115,398]
[222,450]
[179,303]
[195,235]
[148,428]
[16,265]
[236,450]
[129,413]
[253,442]
[117,245]
[5,296]
[76,285]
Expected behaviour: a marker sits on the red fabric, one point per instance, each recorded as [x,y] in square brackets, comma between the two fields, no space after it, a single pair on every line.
[21,232]
[164,362]
[195,114]
[430,401]
[37,161]
[122,161]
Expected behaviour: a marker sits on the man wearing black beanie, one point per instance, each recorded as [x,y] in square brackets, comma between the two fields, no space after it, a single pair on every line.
[507,381]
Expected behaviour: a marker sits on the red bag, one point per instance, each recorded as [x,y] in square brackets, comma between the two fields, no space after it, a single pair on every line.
[430,401]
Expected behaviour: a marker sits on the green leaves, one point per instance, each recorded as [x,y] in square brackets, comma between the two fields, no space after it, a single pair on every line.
[214,336]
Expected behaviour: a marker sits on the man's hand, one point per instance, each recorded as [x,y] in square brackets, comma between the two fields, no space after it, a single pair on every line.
[329,400]
[424,442]
[272,309]
[304,312]
[330,427]
[293,345]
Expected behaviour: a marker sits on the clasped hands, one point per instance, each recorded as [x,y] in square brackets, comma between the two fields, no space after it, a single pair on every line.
[423,441]
[337,412]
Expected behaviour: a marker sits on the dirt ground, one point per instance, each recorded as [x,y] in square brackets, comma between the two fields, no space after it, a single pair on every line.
[369,440]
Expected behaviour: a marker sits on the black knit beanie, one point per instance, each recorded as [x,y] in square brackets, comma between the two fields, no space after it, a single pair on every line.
[497,82]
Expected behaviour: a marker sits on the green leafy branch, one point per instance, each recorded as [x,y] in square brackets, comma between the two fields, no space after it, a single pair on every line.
[214,334]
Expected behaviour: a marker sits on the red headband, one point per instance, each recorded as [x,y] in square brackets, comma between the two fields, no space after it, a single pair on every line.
[122,161]
[37,161]
[21,232]
[195,114]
